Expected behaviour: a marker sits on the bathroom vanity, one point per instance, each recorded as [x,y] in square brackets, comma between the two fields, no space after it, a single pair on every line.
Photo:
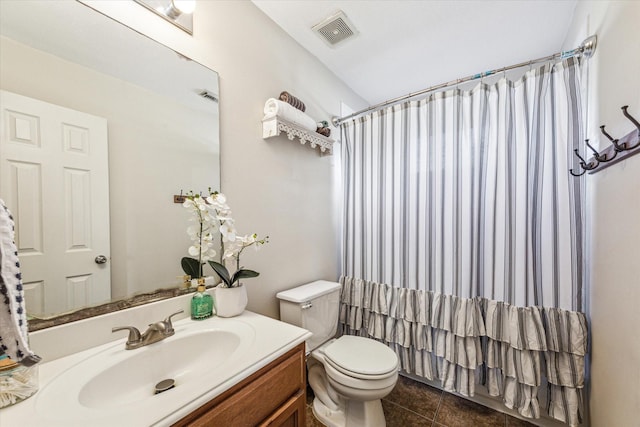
[243,371]
[273,396]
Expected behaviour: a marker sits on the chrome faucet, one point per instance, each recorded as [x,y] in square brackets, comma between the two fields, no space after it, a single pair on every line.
[156,332]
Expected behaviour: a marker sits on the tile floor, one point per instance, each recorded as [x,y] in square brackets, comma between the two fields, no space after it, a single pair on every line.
[413,404]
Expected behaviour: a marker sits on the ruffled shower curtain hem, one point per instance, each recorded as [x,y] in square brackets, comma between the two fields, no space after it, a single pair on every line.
[512,351]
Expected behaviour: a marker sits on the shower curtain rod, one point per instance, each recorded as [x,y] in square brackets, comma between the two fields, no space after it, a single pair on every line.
[586,49]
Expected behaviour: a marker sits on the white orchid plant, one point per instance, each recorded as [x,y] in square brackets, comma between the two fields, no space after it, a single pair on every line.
[212,214]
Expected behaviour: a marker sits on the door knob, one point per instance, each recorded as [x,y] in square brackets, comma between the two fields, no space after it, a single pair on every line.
[101,259]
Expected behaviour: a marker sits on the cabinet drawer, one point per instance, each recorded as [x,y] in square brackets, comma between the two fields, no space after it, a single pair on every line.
[256,398]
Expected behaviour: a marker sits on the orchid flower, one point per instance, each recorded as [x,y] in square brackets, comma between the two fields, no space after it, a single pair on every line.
[212,214]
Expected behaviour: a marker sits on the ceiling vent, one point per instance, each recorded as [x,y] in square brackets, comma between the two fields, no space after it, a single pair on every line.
[335,29]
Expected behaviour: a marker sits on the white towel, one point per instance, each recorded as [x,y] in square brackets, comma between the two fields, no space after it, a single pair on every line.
[13,317]
[274,107]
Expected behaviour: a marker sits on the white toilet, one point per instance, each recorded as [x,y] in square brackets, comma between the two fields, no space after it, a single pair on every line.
[349,375]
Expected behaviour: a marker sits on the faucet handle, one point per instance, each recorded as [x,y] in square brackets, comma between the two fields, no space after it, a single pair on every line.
[134,334]
[167,322]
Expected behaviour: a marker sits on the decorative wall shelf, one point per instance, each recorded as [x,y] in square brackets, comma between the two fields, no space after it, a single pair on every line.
[273,126]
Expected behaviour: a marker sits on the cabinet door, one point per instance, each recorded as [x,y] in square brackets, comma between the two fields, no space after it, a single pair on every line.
[291,414]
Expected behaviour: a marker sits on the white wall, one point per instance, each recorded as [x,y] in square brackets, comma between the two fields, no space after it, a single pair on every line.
[613,207]
[276,187]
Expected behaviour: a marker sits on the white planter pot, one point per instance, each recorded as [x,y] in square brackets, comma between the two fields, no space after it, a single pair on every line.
[230,302]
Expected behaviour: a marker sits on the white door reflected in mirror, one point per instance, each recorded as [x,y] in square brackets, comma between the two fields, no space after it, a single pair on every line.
[54,176]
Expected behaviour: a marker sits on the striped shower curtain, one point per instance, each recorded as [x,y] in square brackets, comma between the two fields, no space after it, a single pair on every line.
[463,238]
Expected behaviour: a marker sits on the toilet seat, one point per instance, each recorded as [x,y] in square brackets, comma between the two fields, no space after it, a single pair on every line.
[361,358]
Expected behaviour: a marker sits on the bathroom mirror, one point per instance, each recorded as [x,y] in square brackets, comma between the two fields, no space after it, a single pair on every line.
[160,112]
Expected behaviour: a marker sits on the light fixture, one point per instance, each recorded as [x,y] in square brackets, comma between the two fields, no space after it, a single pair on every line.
[178,7]
[178,12]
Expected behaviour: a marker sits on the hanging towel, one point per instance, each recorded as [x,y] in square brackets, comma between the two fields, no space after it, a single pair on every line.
[13,318]
[275,107]
[290,99]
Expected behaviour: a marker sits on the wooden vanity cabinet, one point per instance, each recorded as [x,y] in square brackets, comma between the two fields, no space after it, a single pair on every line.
[274,396]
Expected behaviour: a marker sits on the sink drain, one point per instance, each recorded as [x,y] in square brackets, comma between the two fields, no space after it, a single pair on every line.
[164,385]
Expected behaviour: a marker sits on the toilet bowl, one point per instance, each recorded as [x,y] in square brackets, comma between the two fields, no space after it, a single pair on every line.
[349,375]
[347,391]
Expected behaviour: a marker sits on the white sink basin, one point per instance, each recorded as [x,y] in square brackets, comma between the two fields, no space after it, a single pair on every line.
[114,380]
[133,379]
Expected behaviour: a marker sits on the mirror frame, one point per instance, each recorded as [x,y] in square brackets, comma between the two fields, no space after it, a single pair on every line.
[36,324]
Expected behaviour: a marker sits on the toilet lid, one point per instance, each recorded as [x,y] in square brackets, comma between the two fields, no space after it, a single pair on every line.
[361,356]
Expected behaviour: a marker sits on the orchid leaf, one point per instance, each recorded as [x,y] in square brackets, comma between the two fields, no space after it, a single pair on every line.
[222,272]
[190,266]
[244,274]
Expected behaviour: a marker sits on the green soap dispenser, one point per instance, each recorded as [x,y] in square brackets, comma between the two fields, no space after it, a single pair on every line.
[201,303]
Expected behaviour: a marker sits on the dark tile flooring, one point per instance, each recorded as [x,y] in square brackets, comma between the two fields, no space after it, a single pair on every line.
[413,404]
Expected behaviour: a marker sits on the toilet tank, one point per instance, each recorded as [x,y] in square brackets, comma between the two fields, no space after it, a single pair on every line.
[315,307]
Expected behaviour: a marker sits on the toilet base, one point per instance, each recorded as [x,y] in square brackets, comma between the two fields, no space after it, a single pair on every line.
[356,414]
[326,416]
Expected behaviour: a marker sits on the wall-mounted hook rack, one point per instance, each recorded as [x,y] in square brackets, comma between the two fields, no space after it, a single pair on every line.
[619,149]
[606,157]
[586,166]
[616,146]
